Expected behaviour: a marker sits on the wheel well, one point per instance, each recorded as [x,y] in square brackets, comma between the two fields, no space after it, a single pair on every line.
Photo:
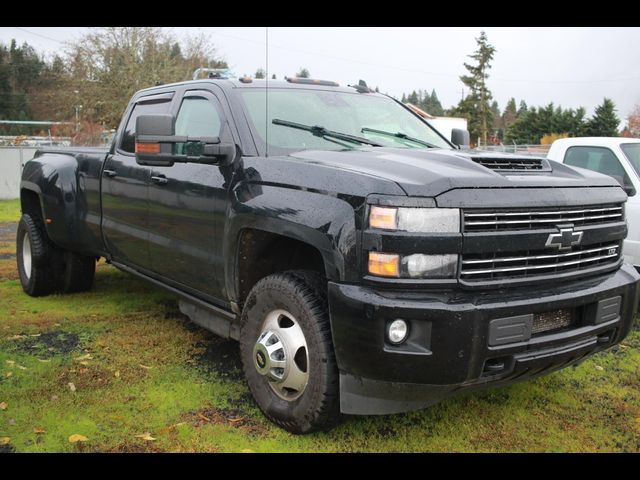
[30,203]
[262,253]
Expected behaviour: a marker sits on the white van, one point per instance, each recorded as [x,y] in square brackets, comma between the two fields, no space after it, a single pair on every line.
[617,157]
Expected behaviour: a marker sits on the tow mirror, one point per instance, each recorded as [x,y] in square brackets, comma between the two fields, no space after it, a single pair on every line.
[629,190]
[460,137]
[157,145]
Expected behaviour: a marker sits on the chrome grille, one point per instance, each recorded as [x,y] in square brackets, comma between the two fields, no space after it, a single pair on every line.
[508,265]
[510,164]
[540,218]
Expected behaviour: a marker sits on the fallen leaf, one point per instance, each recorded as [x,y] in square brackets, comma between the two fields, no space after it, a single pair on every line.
[12,421]
[54,397]
[84,357]
[21,367]
[44,361]
[3,405]
[86,364]
[204,418]
[35,335]
[5,440]
[57,324]
[38,430]
[75,438]
[247,450]
[116,374]
[145,367]
[8,374]
[16,337]
[235,419]
[599,368]
[146,436]
[9,362]
[72,387]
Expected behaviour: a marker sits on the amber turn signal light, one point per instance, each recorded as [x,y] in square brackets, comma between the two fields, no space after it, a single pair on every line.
[384,218]
[147,148]
[384,264]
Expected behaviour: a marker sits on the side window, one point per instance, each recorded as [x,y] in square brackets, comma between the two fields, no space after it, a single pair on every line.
[198,117]
[598,159]
[127,142]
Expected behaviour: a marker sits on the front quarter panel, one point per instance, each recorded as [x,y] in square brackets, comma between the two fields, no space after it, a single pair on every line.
[326,222]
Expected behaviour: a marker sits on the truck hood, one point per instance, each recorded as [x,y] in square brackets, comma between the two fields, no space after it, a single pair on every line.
[429,173]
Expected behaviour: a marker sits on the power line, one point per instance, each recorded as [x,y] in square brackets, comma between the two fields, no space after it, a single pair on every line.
[39,35]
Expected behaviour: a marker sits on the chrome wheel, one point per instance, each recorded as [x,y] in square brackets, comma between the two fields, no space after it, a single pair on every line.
[281,355]
[26,255]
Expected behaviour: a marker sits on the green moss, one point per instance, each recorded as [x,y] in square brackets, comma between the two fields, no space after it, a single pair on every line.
[9,210]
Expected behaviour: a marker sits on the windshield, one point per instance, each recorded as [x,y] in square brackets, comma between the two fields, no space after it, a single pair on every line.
[632,152]
[372,117]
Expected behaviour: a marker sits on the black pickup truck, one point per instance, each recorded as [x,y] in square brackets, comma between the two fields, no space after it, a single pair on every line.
[365,264]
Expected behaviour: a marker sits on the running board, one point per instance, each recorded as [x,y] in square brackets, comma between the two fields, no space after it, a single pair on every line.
[210,321]
[212,318]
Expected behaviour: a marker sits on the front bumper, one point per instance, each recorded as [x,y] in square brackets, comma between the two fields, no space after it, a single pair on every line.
[448,349]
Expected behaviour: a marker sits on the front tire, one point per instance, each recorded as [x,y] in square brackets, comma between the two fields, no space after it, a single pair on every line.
[287,351]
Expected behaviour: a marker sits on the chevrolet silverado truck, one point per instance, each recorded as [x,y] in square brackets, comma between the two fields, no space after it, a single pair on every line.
[365,263]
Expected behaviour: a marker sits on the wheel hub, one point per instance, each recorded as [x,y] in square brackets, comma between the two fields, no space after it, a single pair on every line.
[280,355]
[26,255]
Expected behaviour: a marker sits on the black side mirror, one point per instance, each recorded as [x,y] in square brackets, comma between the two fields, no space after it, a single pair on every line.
[157,145]
[460,137]
[629,190]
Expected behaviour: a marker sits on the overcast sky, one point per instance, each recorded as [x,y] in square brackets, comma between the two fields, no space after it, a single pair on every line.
[571,67]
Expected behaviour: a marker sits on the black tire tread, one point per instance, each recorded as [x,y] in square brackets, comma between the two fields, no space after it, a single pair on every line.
[41,282]
[310,288]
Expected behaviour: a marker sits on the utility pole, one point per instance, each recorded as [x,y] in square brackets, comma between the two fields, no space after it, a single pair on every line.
[78,108]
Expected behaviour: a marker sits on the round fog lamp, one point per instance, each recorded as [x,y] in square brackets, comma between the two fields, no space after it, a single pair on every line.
[398,330]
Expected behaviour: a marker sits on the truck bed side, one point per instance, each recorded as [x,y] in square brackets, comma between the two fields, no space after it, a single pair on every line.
[65,182]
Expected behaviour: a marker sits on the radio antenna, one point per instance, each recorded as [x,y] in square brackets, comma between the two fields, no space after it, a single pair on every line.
[266,93]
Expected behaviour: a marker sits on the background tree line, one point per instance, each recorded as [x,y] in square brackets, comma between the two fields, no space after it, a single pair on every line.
[95,77]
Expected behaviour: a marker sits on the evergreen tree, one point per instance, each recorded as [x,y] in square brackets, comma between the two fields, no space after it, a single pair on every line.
[510,113]
[476,106]
[303,73]
[604,122]
[434,105]
[522,108]
[273,77]
[260,73]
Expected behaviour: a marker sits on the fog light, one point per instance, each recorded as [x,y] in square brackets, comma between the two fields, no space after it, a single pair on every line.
[397,332]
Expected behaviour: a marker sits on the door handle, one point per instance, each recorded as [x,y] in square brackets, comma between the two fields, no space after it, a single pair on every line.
[159,179]
[109,173]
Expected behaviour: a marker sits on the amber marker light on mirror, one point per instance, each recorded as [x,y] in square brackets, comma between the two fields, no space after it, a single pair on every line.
[383,218]
[147,148]
[384,264]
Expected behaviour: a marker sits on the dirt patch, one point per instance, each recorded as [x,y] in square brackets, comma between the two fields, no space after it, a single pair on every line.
[86,377]
[236,417]
[8,269]
[7,449]
[49,344]
[8,231]
[219,355]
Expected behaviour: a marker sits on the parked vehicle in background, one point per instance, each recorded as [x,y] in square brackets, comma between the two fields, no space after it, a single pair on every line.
[365,263]
[617,157]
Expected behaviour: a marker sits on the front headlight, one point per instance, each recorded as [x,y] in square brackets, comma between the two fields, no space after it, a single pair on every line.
[416,265]
[416,220]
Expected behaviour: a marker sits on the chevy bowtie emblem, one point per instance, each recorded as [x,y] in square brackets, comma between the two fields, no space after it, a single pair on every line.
[564,239]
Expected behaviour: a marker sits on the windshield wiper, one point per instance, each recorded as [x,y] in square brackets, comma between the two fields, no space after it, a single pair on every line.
[401,135]
[321,132]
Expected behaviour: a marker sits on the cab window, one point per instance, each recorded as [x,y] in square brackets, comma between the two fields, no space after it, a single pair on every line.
[598,159]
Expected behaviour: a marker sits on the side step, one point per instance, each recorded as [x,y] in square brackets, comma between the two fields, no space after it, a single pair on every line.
[208,320]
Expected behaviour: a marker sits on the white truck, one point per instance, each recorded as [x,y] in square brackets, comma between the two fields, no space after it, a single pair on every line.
[617,157]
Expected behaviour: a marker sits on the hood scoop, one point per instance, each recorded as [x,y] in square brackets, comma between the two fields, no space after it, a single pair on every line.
[513,164]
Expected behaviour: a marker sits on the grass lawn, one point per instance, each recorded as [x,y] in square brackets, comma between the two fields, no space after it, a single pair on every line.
[121,367]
